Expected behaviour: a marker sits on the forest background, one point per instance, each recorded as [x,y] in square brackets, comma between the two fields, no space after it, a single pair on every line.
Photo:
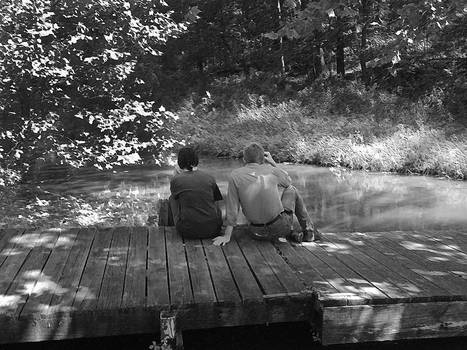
[377,85]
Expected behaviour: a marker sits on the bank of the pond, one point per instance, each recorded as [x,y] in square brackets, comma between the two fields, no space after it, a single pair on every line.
[348,126]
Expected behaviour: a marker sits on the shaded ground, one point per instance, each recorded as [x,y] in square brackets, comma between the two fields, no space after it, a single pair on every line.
[278,336]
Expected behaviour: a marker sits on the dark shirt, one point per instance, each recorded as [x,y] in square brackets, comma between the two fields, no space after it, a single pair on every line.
[196,193]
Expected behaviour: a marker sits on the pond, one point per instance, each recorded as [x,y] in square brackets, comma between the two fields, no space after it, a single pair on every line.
[337,199]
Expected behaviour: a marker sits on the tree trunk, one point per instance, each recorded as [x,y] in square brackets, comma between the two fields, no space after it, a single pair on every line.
[279,9]
[363,40]
[340,64]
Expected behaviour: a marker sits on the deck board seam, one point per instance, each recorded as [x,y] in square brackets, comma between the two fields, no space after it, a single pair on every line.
[20,232]
[324,262]
[292,267]
[375,247]
[84,266]
[363,276]
[105,268]
[432,235]
[146,271]
[35,282]
[166,263]
[296,249]
[19,269]
[269,264]
[384,266]
[189,270]
[242,297]
[209,270]
[251,269]
[408,257]
[130,232]
[62,269]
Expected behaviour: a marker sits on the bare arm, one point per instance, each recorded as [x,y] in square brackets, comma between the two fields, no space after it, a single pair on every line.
[283,177]
[232,205]
[223,240]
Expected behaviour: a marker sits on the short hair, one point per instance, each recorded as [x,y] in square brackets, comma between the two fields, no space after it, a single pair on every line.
[253,153]
[187,158]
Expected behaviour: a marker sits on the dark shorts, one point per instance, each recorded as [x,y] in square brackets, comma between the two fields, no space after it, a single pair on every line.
[280,228]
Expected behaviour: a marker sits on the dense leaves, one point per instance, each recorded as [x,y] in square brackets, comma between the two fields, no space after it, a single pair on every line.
[77,79]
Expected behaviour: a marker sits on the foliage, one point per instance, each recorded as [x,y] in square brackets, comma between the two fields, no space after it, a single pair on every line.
[76,82]
[407,47]
[333,124]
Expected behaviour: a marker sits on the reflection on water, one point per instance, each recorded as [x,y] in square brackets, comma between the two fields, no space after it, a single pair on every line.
[338,199]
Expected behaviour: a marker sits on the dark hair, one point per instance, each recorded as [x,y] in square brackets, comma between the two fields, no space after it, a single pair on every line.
[187,158]
[253,153]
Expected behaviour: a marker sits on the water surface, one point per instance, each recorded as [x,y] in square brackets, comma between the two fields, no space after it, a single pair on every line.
[337,199]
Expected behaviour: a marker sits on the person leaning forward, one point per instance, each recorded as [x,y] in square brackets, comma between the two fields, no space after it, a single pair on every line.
[268,200]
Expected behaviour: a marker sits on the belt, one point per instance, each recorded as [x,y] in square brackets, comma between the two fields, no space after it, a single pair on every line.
[268,223]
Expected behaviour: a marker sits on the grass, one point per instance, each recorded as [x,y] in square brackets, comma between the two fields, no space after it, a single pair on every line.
[330,124]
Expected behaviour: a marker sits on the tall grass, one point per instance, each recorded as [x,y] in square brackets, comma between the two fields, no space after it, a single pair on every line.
[340,124]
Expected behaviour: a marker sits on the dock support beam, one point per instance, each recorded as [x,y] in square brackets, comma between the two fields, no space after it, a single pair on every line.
[171,335]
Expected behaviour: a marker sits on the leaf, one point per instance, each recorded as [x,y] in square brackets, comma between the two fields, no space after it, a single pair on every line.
[290,4]
[192,14]
[271,35]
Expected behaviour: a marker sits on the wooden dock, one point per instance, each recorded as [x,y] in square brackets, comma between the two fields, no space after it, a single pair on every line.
[352,287]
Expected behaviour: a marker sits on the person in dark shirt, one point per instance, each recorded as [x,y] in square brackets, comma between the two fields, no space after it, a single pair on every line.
[194,194]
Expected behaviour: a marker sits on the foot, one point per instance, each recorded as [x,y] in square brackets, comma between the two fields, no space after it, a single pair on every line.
[311,235]
[317,236]
[296,237]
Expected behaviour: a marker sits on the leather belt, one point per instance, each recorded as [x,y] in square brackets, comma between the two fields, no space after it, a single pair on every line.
[268,223]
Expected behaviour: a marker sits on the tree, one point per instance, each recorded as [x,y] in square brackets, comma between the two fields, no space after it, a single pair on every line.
[76,81]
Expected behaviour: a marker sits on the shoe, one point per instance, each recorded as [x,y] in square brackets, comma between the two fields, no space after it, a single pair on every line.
[317,236]
[296,237]
[311,235]
[307,235]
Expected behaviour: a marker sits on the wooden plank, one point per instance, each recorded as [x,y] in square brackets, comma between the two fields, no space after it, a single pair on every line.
[306,272]
[347,292]
[157,274]
[449,242]
[222,278]
[247,285]
[21,287]
[381,275]
[443,278]
[203,290]
[359,285]
[179,277]
[73,270]
[15,255]
[8,237]
[100,323]
[47,283]
[364,323]
[284,273]
[114,276]
[425,288]
[260,268]
[385,280]
[436,252]
[91,280]
[134,293]
[453,239]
